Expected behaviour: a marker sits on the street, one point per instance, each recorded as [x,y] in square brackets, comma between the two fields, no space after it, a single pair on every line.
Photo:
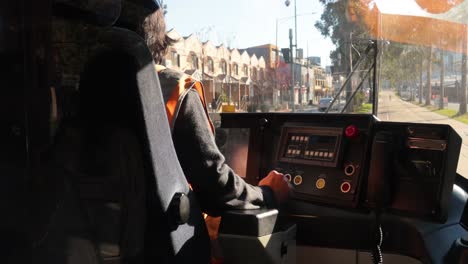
[392,108]
[314,108]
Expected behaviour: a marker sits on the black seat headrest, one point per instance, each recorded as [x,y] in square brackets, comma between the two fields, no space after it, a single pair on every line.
[97,12]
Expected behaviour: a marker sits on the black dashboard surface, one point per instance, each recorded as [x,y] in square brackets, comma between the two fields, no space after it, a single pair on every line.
[344,220]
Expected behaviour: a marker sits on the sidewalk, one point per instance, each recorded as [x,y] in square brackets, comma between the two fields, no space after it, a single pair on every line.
[402,111]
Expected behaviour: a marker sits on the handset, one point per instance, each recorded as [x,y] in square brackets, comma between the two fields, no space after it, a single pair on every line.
[380,170]
[378,185]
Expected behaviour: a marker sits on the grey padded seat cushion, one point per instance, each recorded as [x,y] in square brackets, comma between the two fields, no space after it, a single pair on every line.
[67,238]
[120,88]
[111,186]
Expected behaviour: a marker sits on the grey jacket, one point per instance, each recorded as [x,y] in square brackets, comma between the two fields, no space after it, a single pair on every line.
[216,185]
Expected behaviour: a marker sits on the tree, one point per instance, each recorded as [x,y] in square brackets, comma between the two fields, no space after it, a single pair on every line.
[350,37]
[428,77]
[420,91]
[397,62]
[464,71]
[442,76]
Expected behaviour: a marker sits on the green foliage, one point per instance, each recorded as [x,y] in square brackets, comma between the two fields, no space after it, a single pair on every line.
[224,98]
[265,108]
[365,109]
[335,25]
[359,98]
[252,108]
[400,64]
[462,118]
[446,112]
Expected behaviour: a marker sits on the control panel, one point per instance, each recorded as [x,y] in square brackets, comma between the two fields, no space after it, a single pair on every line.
[355,161]
[312,146]
[322,163]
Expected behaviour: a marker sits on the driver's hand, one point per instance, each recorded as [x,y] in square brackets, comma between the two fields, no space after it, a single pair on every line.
[279,184]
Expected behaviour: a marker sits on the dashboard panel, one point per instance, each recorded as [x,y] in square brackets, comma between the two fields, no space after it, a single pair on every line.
[402,178]
[323,164]
[355,161]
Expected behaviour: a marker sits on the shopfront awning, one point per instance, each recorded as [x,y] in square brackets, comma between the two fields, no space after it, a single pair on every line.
[194,73]
[246,81]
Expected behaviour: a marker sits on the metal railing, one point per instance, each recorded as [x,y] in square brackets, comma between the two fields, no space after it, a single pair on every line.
[243,103]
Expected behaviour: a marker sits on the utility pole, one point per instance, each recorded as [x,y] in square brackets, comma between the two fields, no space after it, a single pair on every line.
[300,66]
[464,72]
[292,70]
[164,7]
[442,77]
[276,65]
[429,77]
[349,89]
[421,69]
[308,75]
[287,2]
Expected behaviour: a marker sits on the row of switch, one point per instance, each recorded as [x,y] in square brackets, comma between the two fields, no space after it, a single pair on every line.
[319,184]
[309,153]
[320,154]
[300,138]
[294,152]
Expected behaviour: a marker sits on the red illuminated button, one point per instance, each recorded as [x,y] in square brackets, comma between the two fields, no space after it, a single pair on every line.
[288,177]
[351,131]
[345,187]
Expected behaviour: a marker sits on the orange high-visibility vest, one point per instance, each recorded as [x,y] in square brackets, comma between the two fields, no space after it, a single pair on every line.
[175,85]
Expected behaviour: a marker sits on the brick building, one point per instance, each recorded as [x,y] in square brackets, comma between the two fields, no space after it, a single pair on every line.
[229,75]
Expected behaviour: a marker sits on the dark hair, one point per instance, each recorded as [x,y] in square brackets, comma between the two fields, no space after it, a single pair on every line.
[153,29]
[149,24]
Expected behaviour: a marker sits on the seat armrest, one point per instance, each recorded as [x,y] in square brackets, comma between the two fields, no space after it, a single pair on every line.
[254,223]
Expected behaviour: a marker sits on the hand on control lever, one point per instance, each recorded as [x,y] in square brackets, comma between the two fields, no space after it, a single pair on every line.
[279,184]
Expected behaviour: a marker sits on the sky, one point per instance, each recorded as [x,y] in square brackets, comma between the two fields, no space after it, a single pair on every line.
[246,23]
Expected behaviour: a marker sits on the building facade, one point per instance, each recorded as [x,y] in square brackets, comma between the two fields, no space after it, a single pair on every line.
[255,76]
[230,76]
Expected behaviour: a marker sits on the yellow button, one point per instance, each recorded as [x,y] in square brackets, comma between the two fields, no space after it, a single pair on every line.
[320,183]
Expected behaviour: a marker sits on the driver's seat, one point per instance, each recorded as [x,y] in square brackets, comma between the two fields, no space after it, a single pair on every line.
[128,179]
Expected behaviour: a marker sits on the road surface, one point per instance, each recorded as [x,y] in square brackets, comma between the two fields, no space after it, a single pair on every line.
[391,108]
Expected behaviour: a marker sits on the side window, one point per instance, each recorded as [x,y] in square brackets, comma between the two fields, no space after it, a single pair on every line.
[210,65]
[224,67]
[236,69]
[254,73]
[194,62]
[175,59]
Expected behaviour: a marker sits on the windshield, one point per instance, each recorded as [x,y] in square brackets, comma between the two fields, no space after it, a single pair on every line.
[403,60]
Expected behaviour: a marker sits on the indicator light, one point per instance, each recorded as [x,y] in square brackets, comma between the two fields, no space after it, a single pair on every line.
[345,187]
[297,180]
[351,131]
[320,183]
[350,170]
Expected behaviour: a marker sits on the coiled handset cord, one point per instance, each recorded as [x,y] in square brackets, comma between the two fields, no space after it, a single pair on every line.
[376,253]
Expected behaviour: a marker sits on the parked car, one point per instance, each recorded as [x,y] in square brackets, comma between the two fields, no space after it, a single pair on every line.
[324,103]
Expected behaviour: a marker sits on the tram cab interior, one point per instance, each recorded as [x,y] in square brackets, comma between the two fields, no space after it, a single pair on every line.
[104,185]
